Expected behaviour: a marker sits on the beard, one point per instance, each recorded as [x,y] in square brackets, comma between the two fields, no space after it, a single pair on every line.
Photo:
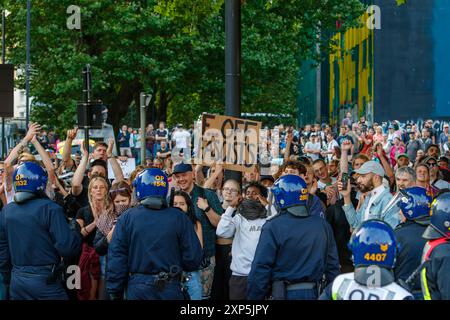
[366,187]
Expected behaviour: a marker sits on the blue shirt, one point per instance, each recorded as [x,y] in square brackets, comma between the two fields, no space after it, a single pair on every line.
[376,211]
[126,143]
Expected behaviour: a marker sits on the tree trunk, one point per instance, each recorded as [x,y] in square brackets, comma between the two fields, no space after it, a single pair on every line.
[163,104]
[118,107]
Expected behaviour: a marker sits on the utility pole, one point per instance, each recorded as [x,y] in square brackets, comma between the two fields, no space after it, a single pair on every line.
[144,102]
[87,101]
[3,62]
[27,66]
[233,66]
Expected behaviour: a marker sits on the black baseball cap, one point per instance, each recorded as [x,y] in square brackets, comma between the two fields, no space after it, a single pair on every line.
[267,177]
[99,162]
[182,168]
[443,158]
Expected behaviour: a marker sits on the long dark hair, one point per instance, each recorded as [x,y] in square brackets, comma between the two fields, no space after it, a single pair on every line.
[190,206]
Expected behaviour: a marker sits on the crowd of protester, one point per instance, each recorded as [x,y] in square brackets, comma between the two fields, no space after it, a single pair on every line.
[388,157]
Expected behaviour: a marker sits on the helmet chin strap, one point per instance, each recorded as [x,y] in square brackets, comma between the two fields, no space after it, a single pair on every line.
[23,197]
[154,203]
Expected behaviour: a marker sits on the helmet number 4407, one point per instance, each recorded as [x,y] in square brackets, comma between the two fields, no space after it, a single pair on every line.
[375,257]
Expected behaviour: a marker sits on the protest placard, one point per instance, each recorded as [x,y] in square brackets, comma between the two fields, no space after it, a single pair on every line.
[232,142]
[127,167]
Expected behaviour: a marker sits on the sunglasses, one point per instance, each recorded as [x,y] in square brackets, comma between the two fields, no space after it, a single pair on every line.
[432,164]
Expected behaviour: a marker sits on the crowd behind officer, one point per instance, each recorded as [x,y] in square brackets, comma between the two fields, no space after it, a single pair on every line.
[295,206]
[415,207]
[434,271]
[34,236]
[374,248]
[152,244]
[296,250]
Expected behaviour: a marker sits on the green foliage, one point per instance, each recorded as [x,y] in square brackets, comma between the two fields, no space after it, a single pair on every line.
[171,48]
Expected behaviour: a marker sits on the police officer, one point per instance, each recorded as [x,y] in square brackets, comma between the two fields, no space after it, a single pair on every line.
[295,249]
[374,250]
[435,272]
[415,207]
[34,236]
[151,245]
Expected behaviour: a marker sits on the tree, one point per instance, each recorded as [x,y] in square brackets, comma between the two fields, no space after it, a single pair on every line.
[172,48]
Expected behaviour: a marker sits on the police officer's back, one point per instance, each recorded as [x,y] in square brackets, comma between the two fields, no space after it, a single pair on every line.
[295,249]
[415,205]
[34,236]
[435,272]
[374,250]
[151,245]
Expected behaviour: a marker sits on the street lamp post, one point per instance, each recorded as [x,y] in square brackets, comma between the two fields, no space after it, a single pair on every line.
[87,87]
[27,67]
[5,13]
[144,101]
[233,66]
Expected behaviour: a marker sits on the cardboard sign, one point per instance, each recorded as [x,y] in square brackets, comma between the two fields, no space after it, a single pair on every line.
[229,141]
[126,166]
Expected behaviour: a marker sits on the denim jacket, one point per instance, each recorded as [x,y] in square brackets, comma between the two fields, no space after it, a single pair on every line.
[376,211]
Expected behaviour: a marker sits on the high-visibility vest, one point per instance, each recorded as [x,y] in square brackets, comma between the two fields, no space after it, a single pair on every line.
[427,250]
[346,288]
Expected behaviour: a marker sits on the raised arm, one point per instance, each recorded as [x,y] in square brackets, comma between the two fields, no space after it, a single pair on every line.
[345,147]
[118,174]
[199,176]
[78,176]
[287,150]
[45,159]
[67,150]
[386,166]
[33,129]
[210,182]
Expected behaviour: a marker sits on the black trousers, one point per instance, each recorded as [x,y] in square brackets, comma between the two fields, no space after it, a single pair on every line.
[222,273]
[238,288]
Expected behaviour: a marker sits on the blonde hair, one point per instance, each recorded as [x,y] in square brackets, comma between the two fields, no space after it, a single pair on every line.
[135,173]
[25,156]
[107,205]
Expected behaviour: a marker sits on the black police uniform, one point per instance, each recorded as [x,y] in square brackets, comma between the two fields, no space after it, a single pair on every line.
[147,243]
[34,236]
[436,275]
[295,251]
[411,243]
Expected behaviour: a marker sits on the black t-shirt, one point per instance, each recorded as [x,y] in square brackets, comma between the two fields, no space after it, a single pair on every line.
[162,134]
[83,198]
[86,215]
[163,151]
[433,133]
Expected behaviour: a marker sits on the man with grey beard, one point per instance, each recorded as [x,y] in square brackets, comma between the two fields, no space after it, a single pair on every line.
[405,177]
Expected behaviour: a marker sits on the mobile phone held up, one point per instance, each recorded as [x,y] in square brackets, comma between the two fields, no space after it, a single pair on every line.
[344,181]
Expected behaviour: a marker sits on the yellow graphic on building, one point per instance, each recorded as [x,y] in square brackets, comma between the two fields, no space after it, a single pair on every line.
[351,72]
